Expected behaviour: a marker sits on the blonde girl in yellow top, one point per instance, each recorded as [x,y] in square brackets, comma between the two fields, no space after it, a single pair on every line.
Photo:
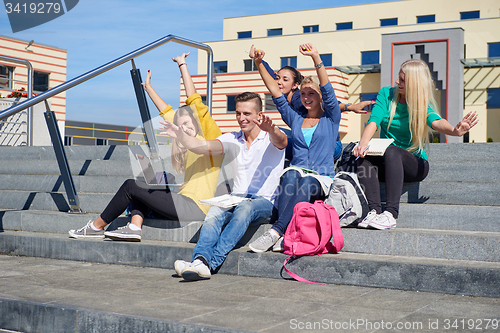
[201,172]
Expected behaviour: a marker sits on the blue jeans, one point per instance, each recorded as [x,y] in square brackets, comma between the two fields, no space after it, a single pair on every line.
[294,189]
[214,243]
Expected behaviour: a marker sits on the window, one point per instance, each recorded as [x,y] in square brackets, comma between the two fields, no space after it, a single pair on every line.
[289,61]
[204,99]
[311,28]
[327,59]
[101,142]
[231,103]
[275,32]
[6,77]
[220,66]
[344,26]
[249,65]
[469,15]
[40,81]
[387,22]
[370,57]
[493,98]
[269,105]
[244,34]
[426,18]
[68,140]
[493,50]
[368,97]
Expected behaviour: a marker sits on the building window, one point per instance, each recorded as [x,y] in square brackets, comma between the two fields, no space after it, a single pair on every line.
[40,81]
[231,103]
[244,34]
[204,99]
[220,66]
[6,77]
[275,32]
[426,19]
[68,140]
[101,142]
[269,105]
[387,22]
[370,57]
[368,97]
[344,26]
[311,28]
[249,65]
[327,59]
[289,61]
[493,98]
[493,50]
[469,15]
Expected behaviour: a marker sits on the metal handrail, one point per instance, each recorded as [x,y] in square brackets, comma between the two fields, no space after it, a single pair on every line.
[110,65]
[30,94]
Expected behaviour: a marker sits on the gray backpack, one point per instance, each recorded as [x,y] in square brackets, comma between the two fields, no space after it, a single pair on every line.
[348,199]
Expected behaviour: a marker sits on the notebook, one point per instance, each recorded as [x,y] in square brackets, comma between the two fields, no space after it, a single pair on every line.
[155,180]
[377,146]
[224,201]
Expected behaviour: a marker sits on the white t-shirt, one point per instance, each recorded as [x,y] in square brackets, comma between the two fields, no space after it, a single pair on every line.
[256,169]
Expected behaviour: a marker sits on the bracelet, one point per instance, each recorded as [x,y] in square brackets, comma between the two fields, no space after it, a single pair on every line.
[181,64]
[319,65]
[346,105]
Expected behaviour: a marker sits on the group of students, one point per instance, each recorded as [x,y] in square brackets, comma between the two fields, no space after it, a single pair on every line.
[256,153]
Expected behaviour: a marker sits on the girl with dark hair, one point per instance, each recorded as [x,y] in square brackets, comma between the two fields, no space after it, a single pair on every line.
[201,172]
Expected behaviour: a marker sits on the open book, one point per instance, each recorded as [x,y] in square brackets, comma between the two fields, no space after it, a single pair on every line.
[378,146]
[324,181]
[224,201]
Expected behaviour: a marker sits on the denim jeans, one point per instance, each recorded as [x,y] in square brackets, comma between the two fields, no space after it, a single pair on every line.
[294,189]
[214,243]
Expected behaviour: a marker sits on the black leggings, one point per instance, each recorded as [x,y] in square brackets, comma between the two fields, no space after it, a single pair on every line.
[395,167]
[170,205]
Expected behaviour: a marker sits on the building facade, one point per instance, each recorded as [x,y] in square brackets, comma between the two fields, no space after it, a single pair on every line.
[359,45]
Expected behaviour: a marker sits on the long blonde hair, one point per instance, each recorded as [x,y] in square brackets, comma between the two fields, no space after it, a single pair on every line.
[178,151]
[420,93]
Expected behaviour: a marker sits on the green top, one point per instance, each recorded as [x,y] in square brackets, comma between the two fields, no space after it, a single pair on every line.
[400,126]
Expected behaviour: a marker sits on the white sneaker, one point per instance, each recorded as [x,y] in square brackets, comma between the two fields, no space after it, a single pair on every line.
[280,245]
[383,221]
[370,217]
[196,271]
[179,266]
[264,242]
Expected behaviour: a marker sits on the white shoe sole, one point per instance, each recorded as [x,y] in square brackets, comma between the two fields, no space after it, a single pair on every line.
[73,235]
[132,238]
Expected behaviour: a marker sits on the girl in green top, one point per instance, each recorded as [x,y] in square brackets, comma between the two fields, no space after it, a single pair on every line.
[404,113]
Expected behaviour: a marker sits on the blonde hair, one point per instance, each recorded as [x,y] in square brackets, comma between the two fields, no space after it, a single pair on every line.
[420,93]
[312,81]
[178,151]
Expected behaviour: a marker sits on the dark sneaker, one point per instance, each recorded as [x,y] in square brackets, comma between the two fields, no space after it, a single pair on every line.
[196,271]
[86,232]
[264,242]
[124,233]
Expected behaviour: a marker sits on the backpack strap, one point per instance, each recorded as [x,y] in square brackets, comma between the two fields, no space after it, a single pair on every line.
[295,276]
[336,232]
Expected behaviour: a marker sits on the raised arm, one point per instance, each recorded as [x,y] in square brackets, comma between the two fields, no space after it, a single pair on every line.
[443,126]
[309,50]
[197,146]
[276,136]
[270,83]
[186,77]
[251,54]
[158,102]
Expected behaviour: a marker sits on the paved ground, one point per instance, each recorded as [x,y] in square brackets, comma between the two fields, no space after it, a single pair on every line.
[236,302]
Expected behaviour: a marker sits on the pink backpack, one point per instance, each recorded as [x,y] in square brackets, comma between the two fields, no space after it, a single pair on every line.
[309,233]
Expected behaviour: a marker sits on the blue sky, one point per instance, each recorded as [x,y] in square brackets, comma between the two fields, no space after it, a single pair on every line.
[96,32]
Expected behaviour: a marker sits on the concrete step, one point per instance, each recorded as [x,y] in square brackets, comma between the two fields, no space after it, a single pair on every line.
[403,241]
[452,276]
[52,201]
[53,296]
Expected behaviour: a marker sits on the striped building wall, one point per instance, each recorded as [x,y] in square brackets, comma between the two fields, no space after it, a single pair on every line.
[43,58]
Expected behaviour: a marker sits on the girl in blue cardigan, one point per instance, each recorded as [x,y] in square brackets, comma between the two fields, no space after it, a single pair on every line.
[314,138]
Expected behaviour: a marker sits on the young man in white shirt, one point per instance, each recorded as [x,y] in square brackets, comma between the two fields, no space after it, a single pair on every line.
[257,154]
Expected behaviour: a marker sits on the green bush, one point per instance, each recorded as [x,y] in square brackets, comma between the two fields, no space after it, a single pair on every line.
[489,140]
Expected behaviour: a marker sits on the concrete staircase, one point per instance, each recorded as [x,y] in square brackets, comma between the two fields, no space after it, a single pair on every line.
[447,239]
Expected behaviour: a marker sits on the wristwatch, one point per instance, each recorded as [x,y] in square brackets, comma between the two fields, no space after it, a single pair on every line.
[346,105]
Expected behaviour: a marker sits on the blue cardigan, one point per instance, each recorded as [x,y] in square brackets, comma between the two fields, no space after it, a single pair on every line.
[318,156]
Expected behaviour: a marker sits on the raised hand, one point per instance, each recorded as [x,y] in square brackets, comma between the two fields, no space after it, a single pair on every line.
[181,59]
[265,124]
[307,49]
[171,129]
[251,54]
[358,107]
[469,121]
[147,83]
